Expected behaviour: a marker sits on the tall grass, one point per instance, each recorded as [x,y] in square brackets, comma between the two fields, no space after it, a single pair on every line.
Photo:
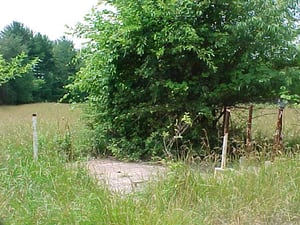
[50,191]
[47,191]
[268,196]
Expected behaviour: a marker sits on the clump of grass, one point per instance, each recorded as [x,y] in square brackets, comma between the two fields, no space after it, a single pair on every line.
[269,196]
[46,191]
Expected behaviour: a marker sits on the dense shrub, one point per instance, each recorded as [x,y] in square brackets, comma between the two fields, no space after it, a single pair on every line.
[150,63]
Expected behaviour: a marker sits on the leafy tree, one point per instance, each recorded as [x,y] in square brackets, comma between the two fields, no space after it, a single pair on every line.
[40,46]
[151,61]
[14,68]
[14,40]
[66,65]
[51,71]
[291,90]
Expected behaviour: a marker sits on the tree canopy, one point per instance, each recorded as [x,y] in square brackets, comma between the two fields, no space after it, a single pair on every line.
[151,62]
[46,82]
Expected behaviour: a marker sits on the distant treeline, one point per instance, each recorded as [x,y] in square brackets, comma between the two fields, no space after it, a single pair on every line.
[57,63]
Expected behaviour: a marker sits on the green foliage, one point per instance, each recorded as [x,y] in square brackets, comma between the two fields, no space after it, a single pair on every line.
[13,41]
[52,70]
[151,61]
[14,68]
[66,65]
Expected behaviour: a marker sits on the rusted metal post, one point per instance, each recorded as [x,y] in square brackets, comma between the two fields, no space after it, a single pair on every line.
[223,122]
[35,137]
[249,130]
[225,138]
[278,139]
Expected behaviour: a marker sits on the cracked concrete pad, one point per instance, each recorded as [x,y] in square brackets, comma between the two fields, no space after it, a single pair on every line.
[121,176]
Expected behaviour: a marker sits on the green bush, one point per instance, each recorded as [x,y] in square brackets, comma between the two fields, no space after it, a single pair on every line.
[150,63]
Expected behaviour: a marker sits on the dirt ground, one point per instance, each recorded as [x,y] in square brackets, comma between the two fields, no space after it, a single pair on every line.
[122,176]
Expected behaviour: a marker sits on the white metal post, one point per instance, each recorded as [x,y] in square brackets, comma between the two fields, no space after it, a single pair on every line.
[225,140]
[224,151]
[35,137]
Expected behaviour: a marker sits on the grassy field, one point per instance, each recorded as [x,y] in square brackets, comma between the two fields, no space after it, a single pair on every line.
[264,127]
[49,191]
[264,123]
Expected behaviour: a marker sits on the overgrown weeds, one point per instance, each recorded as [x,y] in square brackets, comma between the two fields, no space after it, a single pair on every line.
[51,191]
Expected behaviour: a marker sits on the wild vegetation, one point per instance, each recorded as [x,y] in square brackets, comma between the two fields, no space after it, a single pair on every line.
[155,67]
[50,191]
[156,76]
[15,67]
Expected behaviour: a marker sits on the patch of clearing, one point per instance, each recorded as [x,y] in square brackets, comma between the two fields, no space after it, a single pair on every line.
[121,176]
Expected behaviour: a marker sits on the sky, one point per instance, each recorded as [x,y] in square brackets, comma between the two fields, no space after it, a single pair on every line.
[48,17]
